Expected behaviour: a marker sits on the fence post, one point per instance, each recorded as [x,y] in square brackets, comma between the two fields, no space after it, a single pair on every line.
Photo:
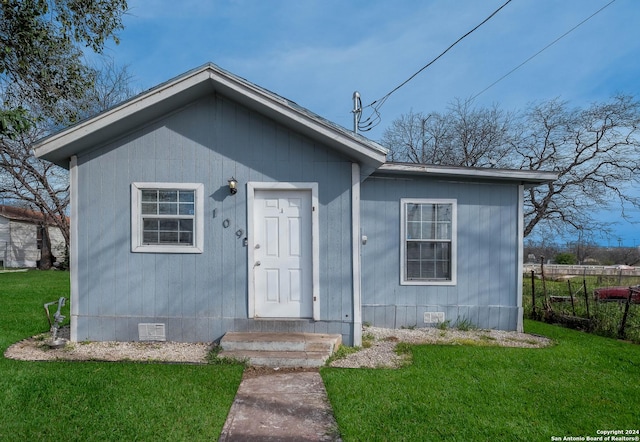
[586,296]
[533,293]
[545,302]
[621,332]
[573,307]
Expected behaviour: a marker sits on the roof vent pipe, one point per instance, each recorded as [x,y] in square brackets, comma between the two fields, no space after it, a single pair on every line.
[357,110]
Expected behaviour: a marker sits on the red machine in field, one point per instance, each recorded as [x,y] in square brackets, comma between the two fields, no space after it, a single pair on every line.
[618,293]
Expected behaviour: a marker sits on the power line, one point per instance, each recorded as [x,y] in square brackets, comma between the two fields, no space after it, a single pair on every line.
[542,50]
[373,120]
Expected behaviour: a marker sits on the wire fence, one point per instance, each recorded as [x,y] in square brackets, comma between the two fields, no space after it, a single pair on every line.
[605,302]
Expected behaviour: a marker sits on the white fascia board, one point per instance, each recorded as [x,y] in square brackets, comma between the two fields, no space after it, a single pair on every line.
[523,176]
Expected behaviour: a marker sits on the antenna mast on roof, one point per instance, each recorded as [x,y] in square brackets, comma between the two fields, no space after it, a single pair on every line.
[357,110]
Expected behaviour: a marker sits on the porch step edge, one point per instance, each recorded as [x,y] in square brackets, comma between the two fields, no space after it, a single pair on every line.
[278,358]
[309,342]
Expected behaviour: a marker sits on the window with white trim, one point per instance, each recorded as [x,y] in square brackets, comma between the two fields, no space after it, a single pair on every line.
[428,246]
[167,217]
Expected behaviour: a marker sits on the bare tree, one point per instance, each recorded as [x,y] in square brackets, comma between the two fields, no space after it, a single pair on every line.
[38,184]
[594,151]
[463,136]
[112,86]
[621,255]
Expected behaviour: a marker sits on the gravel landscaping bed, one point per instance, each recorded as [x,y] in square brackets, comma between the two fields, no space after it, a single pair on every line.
[378,350]
[36,349]
[382,342]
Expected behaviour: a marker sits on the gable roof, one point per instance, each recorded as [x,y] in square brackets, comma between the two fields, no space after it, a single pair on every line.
[207,79]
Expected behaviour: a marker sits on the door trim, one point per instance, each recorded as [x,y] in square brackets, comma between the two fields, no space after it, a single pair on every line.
[252,186]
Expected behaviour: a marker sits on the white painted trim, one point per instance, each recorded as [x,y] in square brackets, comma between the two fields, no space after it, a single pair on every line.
[251,301]
[136,228]
[454,240]
[528,177]
[73,246]
[356,242]
[520,264]
[252,186]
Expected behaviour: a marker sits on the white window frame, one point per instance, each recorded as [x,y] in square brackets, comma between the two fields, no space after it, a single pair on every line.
[403,241]
[136,218]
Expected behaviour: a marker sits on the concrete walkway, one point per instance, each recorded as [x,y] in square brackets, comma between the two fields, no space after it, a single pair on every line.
[281,407]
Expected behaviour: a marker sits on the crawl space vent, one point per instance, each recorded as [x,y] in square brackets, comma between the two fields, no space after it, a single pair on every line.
[151,332]
[433,317]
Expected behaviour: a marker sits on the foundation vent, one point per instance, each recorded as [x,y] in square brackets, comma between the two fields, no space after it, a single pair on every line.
[151,332]
[433,317]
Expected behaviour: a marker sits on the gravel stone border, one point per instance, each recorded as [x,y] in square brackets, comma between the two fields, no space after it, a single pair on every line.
[379,354]
[36,349]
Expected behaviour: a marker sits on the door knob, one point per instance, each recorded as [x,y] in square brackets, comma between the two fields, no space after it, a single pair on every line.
[257,264]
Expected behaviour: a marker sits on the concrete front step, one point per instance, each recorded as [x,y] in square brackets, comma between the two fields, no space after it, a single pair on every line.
[280,349]
[278,358]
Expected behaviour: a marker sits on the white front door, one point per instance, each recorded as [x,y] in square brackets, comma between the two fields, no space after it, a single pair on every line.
[282,253]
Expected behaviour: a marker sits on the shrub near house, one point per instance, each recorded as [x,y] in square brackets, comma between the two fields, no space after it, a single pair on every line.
[565,258]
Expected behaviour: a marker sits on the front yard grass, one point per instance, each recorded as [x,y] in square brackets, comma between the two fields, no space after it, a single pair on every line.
[582,384]
[99,401]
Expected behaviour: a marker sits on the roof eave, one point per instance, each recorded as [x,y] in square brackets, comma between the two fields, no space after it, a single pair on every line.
[182,90]
[529,178]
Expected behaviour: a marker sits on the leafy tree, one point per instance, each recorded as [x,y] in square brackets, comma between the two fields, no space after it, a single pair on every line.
[41,54]
[13,122]
[44,84]
[594,151]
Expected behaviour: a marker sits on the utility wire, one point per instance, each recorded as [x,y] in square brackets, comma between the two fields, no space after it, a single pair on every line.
[372,120]
[541,50]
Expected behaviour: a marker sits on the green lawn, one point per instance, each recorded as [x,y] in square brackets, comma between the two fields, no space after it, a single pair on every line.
[583,384]
[98,401]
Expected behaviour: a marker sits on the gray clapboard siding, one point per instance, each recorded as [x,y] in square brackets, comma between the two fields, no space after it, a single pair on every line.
[486,289]
[201,296]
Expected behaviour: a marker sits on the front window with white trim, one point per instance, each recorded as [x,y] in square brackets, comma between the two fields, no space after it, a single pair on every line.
[167,217]
[428,233]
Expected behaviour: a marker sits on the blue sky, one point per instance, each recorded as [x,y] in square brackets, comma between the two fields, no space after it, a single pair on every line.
[318,52]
